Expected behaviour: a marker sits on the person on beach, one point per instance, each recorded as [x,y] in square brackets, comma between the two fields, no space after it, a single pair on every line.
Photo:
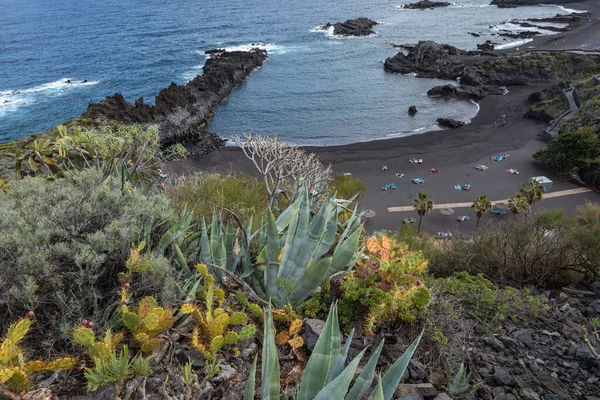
[494,124]
[503,120]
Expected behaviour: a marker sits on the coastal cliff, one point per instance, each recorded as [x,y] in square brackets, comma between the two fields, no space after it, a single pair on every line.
[183,112]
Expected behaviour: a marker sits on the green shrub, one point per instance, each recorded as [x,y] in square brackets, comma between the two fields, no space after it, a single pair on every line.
[578,149]
[347,186]
[62,244]
[545,249]
[488,303]
[205,194]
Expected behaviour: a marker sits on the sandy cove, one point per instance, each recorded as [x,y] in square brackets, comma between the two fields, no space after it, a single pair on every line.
[454,152]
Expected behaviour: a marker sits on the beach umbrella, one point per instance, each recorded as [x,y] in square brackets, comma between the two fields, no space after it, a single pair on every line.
[446,211]
[368,214]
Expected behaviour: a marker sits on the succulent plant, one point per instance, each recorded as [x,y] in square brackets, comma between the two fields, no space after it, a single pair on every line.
[14,370]
[147,323]
[326,376]
[103,349]
[216,326]
[458,386]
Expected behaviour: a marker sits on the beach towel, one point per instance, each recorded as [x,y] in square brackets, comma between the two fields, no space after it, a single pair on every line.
[457,187]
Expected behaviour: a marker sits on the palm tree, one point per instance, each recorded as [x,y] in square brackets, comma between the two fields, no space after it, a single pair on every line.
[533,191]
[481,205]
[518,203]
[422,205]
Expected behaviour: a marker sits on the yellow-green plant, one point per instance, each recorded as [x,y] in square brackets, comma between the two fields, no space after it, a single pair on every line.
[115,369]
[388,282]
[147,322]
[135,264]
[14,370]
[216,326]
[103,349]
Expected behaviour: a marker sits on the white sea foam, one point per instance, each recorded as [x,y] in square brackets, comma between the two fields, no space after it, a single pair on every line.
[567,10]
[513,44]
[13,99]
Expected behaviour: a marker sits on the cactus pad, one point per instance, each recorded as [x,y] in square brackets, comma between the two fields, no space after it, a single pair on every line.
[215,329]
[6,374]
[295,326]
[238,318]
[65,364]
[282,338]
[84,336]
[18,381]
[33,367]
[296,342]
[18,330]
[216,343]
[8,352]
[130,320]
[151,321]
[247,332]
[231,337]
[255,310]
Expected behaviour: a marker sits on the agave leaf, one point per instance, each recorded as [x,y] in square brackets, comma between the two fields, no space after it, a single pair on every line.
[288,215]
[305,243]
[181,261]
[378,393]
[174,232]
[229,242]
[337,388]
[319,363]
[270,389]
[336,348]
[339,361]
[392,377]
[364,380]
[344,252]
[328,237]
[301,232]
[272,259]
[311,280]
[249,391]
[205,250]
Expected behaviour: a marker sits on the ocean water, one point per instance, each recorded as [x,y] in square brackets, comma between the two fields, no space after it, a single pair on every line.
[314,89]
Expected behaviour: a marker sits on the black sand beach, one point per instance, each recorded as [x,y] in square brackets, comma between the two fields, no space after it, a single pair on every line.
[454,152]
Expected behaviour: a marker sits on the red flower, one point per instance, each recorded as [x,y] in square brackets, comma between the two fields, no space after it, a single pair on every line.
[30,314]
[84,323]
[418,283]
[126,286]
[90,324]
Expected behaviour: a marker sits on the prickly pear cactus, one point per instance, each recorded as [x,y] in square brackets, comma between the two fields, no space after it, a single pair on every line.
[147,323]
[217,326]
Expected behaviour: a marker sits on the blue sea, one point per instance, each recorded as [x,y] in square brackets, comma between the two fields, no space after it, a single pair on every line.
[314,89]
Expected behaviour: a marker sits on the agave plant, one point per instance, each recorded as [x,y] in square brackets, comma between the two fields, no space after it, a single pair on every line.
[458,386]
[297,251]
[325,376]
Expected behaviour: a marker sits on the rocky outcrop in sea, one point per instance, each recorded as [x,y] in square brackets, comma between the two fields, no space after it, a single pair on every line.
[513,3]
[352,27]
[183,112]
[425,4]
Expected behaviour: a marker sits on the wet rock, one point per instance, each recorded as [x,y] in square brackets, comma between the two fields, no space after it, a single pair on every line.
[449,123]
[312,330]
[352,27]
[487,46]
[464,92]
[425,4]
[412,110]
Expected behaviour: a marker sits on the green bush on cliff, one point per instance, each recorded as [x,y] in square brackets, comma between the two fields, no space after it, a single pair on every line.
[488,303]
[568,150]
[62,244]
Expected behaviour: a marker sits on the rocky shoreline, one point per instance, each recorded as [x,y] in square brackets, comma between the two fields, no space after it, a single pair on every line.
[352,27]
[483,73]
[183,112]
